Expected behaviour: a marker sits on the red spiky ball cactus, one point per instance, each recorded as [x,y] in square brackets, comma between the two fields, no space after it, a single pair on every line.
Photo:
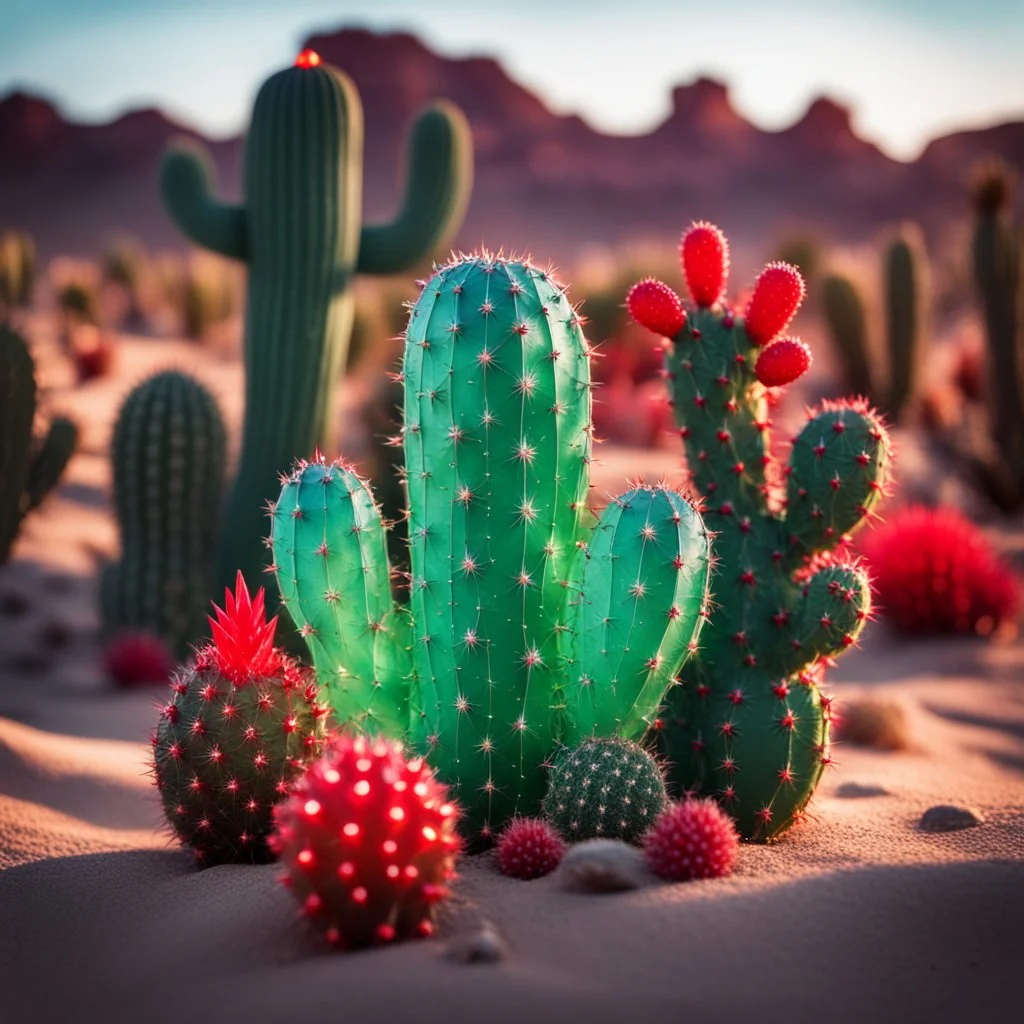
[241,725]
[935,572]
[529,848]
[692,839]
[368,841]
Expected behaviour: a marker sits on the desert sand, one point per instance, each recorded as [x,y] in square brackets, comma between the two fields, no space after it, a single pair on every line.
[857,915]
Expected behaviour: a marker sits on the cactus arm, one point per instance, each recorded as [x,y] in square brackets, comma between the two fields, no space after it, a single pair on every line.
[847,322]
[438,180]
[186,178]
[50,460]
[640,588]
[837,471]
[17,410]
[905,305]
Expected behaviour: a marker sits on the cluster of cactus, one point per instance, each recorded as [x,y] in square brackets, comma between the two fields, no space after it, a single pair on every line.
[747,724]
[299,233]
[906,297]
[242,723]
[935,572]
[168,456]
[525,627]
[368,840]
[17,270]
[605,788]
[29,467]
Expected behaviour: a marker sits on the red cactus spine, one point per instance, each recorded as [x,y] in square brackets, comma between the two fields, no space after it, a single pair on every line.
[778,292]
[654,305]
[132,658]
[704,253]
[692,839]
[782,362]
[368,841]
[529,848]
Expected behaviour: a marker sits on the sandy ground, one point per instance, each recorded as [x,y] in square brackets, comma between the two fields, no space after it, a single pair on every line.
[856,916]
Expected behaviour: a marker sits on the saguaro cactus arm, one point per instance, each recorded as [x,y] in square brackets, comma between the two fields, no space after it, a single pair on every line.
[50,460]
[438,181]
[186,181]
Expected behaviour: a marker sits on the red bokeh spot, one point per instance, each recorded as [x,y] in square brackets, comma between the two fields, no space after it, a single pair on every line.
[308,59]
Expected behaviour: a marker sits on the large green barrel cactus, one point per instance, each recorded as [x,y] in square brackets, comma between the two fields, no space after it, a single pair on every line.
[29,468]
[528,626]
[300,232]
[168,456]
[748,724]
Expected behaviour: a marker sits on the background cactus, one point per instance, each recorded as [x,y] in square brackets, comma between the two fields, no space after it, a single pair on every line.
[29,468]
[17,269]
[905,301]
[747,724]
[299,232]
[168,457]
[527,628]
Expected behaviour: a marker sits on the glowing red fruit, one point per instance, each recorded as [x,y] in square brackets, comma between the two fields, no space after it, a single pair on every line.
[529,848]
[243,640]
[654,305]
[692,839]
[782,362]
[367,840]
[778,292]
[137,657]
[308,59]
[935,572]
[704,252]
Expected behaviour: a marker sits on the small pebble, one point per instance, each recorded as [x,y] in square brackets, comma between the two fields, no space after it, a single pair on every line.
[857,791]
[603,865]
[948,818]
[482,946]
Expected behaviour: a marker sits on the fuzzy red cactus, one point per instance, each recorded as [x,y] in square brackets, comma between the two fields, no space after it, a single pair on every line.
[934,571]
[368,841]
[778,292]
[704,253]
[131,658]
[692,839]
[782,362]
[654,305]
[529,848]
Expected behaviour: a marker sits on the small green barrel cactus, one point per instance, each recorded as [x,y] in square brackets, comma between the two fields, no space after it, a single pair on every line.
[168,455]
[605,788]
[300,233]
[748,724]
[525,627]
[29,468]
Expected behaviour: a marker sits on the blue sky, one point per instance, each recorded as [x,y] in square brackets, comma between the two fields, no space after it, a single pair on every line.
[910,68]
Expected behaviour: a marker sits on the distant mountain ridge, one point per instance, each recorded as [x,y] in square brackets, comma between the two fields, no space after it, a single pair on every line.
[545,182]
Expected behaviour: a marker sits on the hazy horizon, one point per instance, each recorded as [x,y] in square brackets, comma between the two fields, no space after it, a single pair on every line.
[909,74]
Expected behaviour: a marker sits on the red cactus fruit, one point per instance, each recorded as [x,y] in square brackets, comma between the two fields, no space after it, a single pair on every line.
[368,841]
[778,292]
[529,848]
[654,305]
[241,725]
[131,658]
[935,572]
[782,362]
[692,839]
[704,253]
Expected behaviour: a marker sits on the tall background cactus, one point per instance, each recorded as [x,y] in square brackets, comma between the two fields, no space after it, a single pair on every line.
[168,456]
[29,468]
[299,231]
[748,724]
[905,288]
[527,627]
[17,269]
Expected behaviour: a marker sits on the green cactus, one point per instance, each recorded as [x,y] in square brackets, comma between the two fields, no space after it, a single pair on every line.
[747,724]
[299,232]
[605,788]
[29,469]
[524,628]
[17,269]
[168,454]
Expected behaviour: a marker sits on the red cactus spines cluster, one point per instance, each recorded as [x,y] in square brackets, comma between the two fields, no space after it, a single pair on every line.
[692,839]
[134,657]
[529,848]
[934,572]
[704,253]
[367,840]
[242,722]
